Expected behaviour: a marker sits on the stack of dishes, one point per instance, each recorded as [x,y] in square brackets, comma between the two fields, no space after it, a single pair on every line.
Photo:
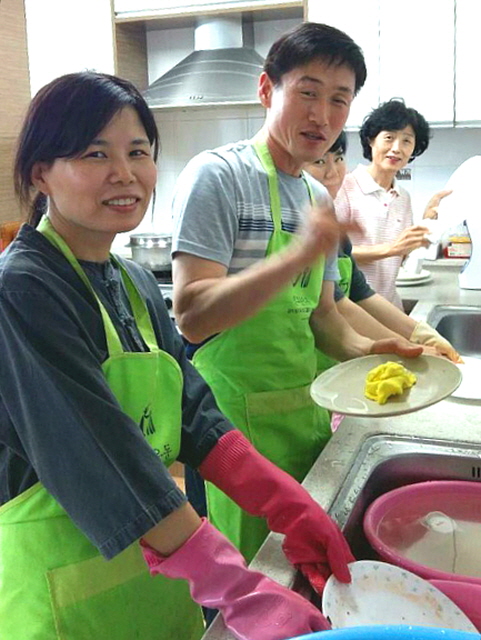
[406,279]
[383,594]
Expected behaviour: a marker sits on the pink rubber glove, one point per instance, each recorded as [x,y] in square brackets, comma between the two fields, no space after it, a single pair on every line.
[253,606]
[313,543]
[336,420]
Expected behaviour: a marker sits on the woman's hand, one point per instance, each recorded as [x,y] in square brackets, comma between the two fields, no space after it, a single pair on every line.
[253,606]
[410,239]
[431,210]
[400,346]
[313,542]
[425,335]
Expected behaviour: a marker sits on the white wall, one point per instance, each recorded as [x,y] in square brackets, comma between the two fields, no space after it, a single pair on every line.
[65,36]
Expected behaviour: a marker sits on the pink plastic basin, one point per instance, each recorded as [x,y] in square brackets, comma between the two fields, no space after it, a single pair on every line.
[430,528]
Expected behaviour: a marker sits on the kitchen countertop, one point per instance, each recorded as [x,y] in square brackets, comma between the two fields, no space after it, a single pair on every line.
[452,420]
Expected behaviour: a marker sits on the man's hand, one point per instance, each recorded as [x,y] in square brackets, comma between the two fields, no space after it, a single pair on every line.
[400,346]
[321,232]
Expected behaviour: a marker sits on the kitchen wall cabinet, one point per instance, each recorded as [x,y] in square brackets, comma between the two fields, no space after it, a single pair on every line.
[409,52]
[135,9]
[467,94]
[416,55]
[360,20]
[66,36]
[15,94]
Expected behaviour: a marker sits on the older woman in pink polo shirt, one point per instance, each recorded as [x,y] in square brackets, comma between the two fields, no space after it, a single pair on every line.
[391,136]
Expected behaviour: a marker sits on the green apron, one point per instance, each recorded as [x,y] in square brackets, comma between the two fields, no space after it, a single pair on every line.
[260,372]
[72,592]
[344,264]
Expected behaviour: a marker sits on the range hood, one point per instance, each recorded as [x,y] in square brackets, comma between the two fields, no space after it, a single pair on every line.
[223,68]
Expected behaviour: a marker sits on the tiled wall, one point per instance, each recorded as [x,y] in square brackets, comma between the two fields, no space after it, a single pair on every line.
[185,133]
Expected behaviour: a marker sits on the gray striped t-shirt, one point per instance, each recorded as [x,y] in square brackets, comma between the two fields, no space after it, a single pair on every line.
[221,208]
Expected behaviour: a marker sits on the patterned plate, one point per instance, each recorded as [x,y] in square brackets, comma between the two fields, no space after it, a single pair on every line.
[383,594]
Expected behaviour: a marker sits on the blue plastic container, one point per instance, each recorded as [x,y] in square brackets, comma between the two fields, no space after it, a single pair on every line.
[395,632]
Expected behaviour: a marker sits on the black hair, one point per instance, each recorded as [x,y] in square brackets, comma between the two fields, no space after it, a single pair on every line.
[393,115]
[63,119]
[340,145]
[310,41]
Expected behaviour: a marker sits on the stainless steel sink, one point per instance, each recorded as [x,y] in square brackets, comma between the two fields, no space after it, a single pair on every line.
[387,462]
[384,463]
[461,325]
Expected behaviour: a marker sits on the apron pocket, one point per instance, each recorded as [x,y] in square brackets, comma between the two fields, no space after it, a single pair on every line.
[119,599]
[287,427]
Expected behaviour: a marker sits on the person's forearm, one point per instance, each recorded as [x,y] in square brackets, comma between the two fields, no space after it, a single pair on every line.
[363,322]
[210,305]
[364,254]
[174,530]
[389,315]
[335,337]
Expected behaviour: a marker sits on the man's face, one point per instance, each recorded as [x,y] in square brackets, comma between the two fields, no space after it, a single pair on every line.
[306,112]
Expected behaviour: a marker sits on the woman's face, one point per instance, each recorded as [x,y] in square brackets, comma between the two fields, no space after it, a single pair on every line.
[330,171]
[391,150]
[107,188]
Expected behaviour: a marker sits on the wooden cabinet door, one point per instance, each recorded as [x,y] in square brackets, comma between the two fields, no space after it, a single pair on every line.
[15,96]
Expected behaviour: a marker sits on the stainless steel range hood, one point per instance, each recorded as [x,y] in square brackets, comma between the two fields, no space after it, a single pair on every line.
[223,68]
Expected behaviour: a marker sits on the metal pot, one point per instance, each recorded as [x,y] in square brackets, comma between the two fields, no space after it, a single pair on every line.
[152,250]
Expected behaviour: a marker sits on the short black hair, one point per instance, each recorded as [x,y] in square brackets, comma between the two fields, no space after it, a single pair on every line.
[340,145]
[62,120]
[393,115]
[310,41]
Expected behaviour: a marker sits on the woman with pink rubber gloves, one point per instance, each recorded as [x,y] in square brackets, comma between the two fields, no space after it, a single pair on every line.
[98,398]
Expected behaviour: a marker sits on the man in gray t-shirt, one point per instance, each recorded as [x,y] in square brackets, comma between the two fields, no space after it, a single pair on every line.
[254,261]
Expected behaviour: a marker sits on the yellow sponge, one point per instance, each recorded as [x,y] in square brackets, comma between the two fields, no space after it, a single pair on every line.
[386,380]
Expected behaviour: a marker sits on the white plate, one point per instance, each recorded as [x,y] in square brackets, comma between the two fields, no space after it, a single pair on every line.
[413,283]
[470,387]
[405,275]
[382,593]
[341,388]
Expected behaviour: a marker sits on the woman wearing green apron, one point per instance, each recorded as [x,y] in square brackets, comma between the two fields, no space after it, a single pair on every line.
[97,399]
[382,319]
[330,171]
[370,313]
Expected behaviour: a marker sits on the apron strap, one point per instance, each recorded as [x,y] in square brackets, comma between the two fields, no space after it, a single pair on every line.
[139,308]
[264,155]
